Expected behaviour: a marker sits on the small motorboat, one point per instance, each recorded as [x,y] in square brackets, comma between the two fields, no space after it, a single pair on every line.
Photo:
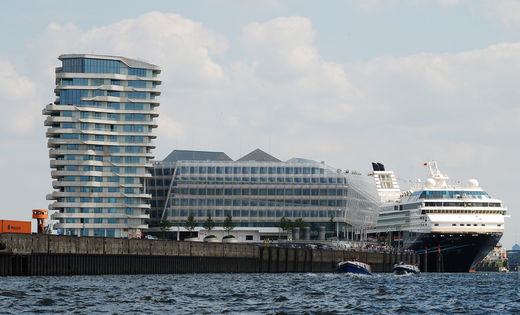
[352,266]
[404,269]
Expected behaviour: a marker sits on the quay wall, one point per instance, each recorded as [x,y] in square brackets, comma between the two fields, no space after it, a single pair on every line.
[31,254]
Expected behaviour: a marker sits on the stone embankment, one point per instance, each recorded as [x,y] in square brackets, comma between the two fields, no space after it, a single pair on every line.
[30,254]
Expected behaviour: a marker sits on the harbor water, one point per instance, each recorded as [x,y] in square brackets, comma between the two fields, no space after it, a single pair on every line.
[478,293]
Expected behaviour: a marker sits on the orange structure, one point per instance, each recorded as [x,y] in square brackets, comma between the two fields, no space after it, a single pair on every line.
[9,226]
[40,215]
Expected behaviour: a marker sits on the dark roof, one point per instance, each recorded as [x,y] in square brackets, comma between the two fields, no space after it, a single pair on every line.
[259,156]
[187,155]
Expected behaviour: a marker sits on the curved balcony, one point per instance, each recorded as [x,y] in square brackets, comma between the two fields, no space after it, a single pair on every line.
[99,226]
[92,215]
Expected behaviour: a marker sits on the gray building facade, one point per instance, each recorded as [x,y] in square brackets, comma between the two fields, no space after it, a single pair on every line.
[257,190]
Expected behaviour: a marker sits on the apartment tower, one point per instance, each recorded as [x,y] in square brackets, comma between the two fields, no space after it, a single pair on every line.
[100,141]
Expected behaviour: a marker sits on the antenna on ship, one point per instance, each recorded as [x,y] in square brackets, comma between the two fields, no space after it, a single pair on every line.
[436,179]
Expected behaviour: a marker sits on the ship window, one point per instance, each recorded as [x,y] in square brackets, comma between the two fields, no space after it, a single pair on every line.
[386,181]
[468,224]
[461,224]
[475,224]
[499,224]
[436,224]
[454,224]
[483,225]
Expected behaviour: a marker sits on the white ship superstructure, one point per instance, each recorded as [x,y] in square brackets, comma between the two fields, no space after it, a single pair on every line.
[439,215]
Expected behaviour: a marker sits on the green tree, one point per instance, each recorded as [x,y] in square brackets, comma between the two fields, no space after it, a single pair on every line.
[165,225]
[285,224]
[299,223]
[209,224]
[190,223]
[228,223]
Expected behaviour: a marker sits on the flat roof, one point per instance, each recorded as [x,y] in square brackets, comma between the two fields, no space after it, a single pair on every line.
[132,63]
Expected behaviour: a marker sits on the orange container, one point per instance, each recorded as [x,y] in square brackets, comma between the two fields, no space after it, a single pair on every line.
[8,226]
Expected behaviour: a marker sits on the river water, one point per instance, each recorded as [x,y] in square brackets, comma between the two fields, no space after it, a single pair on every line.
[321,293]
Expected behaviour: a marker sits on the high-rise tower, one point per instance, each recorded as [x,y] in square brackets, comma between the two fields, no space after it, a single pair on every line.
[100,141]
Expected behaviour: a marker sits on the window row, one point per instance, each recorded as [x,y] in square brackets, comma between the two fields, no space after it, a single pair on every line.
[101,179]
[91,65]
[258,213]
[252,202]
[98,82]
[107,116]
[121,139]
[464,211]
[74,97]
[258,203]
[94,220]
[90,232]
[86,65]
[253,192]
[249,179]
[99,210]
[126,190]
[113,159]
[449,194]
[462,204]
[239,170]
[126,200]
[112,149]
[115,105]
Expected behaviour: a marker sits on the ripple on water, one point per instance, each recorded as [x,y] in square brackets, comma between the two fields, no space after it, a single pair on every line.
[262,293]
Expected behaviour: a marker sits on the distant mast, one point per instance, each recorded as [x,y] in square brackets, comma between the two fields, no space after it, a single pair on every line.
[437,179]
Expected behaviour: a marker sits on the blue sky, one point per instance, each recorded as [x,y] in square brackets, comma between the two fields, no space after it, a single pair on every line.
[345,82]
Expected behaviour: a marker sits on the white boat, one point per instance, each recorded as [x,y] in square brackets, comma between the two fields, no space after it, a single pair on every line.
[453,226]
[403,269]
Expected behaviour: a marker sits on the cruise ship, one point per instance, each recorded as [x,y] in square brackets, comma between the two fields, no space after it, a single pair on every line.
[453,226]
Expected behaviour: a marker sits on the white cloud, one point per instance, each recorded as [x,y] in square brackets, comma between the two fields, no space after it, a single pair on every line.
[505,11]
[436,88]
[21,105]
[182,47]
[448,2]
[169,128]
[284,60]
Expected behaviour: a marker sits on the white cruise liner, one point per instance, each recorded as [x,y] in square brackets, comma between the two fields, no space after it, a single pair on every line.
[457,226]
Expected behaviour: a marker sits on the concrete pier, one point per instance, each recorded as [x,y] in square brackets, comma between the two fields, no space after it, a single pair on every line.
[26,254]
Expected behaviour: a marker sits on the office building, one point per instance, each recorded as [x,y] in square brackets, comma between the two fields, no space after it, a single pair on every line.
[257,190]
[100,144]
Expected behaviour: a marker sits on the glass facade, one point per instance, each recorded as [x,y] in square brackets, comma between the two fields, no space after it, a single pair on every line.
[100,142]
[260,193]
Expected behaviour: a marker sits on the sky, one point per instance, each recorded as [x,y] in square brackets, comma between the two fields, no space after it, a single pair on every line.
[345,82]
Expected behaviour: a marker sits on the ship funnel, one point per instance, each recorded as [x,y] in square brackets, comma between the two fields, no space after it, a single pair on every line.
[378,167]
